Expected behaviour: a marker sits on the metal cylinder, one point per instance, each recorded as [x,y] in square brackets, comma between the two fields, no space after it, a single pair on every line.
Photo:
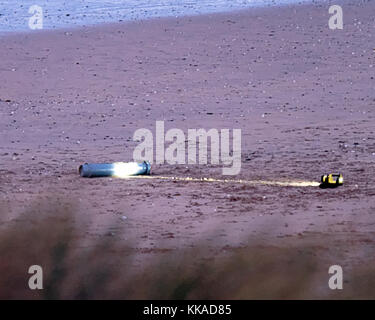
[118,169]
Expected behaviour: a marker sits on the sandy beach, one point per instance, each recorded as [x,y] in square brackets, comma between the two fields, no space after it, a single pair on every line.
[302,94]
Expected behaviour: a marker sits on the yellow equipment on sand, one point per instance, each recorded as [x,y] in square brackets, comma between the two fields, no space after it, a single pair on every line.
[332,180]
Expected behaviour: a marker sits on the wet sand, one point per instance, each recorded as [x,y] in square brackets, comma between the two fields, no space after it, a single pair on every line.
[302,94]
[59,14]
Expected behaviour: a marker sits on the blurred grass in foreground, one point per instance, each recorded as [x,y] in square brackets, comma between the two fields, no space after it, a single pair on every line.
[77,268]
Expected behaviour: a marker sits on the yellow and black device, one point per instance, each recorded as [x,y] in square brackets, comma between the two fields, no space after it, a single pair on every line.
[332,180]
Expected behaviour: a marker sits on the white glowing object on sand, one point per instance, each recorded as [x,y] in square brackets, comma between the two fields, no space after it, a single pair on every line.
[126,170]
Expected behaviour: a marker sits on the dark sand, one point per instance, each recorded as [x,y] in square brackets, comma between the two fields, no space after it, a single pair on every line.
[302,94]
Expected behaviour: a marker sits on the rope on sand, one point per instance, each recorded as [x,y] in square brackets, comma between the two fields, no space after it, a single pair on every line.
[287,183]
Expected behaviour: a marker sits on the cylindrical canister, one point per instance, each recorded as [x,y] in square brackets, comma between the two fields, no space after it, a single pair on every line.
[118,169]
